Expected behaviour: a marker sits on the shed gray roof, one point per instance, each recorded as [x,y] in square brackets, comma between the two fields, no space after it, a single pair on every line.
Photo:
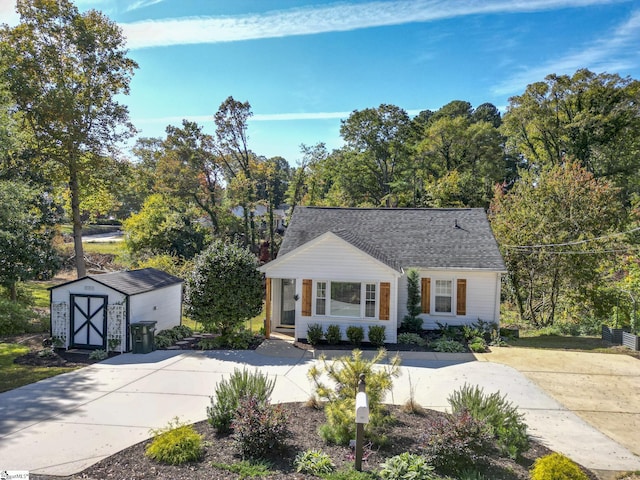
[134,282]
[458,238]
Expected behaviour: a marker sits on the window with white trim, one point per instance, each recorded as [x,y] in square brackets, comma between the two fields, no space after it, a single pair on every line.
[370,300]
[321,298]
[443,296]
[346,299]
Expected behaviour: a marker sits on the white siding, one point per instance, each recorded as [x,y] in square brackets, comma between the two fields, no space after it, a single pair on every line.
[162,306]
[332,259]
[85,286]
[483,297]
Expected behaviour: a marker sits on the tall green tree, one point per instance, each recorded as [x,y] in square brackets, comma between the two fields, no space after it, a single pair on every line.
[592,118]
[232,142]
[26,231]
[64,70]
[461,156]
[548,227]
[377,150]
[164,227]
[272,180]
[188,168]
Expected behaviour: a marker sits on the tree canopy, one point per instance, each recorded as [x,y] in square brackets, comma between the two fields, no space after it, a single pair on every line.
[64,70]
[548,227]
[26,221]
[225,289]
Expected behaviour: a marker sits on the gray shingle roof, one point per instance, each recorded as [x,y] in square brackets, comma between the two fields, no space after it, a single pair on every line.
[133,282]
[404,237]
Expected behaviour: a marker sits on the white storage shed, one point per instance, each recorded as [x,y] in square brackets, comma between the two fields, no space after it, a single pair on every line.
[95,312]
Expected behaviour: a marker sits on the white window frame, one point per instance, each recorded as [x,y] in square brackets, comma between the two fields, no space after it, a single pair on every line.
[454,292]
[363,298]
[316,297]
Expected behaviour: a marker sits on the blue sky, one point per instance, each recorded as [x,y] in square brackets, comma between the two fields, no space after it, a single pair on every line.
[304,65]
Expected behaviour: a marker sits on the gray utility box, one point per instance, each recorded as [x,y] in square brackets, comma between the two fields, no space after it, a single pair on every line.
[142,334]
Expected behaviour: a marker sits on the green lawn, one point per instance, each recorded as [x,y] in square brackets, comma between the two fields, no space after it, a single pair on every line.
[39,291]
[254,324]
[114,248]
[14,376]
[559,342]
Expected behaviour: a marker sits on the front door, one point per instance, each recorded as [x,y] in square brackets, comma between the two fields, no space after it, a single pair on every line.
[288,314]
[88,321]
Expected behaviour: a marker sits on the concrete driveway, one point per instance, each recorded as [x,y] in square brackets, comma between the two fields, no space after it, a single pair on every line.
[61,425]
[604,390]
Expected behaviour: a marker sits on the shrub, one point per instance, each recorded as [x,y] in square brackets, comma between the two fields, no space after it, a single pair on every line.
[259,427]
[377,335]
[333,335]
[175,444]
[477,345]
[314,462]
[229,393]
[407,466]
[355,335]
[556,467]
[98,355]
[340,393]
[177,333]
[411,339]
[169,333]
[507,424]
[162,341]
[446,345]
[314,333]
[224,289]
[454,442]
[412,322]
[450,332]
[14,317]
[240,340]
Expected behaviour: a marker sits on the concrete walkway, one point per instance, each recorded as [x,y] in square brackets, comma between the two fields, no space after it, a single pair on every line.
[64,424]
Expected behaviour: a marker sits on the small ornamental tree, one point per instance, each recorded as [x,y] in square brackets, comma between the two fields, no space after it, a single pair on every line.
[225,288]
[412,322]
[339,394]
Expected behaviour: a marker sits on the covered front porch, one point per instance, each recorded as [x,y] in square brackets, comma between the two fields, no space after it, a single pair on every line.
[280,306]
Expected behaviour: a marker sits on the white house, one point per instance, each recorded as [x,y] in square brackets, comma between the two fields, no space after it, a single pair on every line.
[97,310]
[347,266]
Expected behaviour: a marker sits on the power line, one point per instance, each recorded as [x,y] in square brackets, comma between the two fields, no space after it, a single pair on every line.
[584,252]
[577,242]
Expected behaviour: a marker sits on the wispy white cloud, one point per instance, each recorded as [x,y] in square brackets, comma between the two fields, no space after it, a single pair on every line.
[141,4]
[613,52]
[333,18]
[259,117]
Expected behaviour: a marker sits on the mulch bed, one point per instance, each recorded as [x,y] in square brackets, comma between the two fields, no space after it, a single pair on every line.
[304,422]
[56,358]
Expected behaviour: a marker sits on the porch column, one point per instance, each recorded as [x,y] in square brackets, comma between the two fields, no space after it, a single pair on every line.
[267,319]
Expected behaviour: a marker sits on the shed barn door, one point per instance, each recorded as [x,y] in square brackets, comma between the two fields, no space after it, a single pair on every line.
[88,321]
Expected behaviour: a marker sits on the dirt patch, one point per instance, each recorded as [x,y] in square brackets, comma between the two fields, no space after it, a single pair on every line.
[304,422]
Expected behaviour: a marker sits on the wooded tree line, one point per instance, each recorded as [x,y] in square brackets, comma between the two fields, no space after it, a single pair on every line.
[558,172]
